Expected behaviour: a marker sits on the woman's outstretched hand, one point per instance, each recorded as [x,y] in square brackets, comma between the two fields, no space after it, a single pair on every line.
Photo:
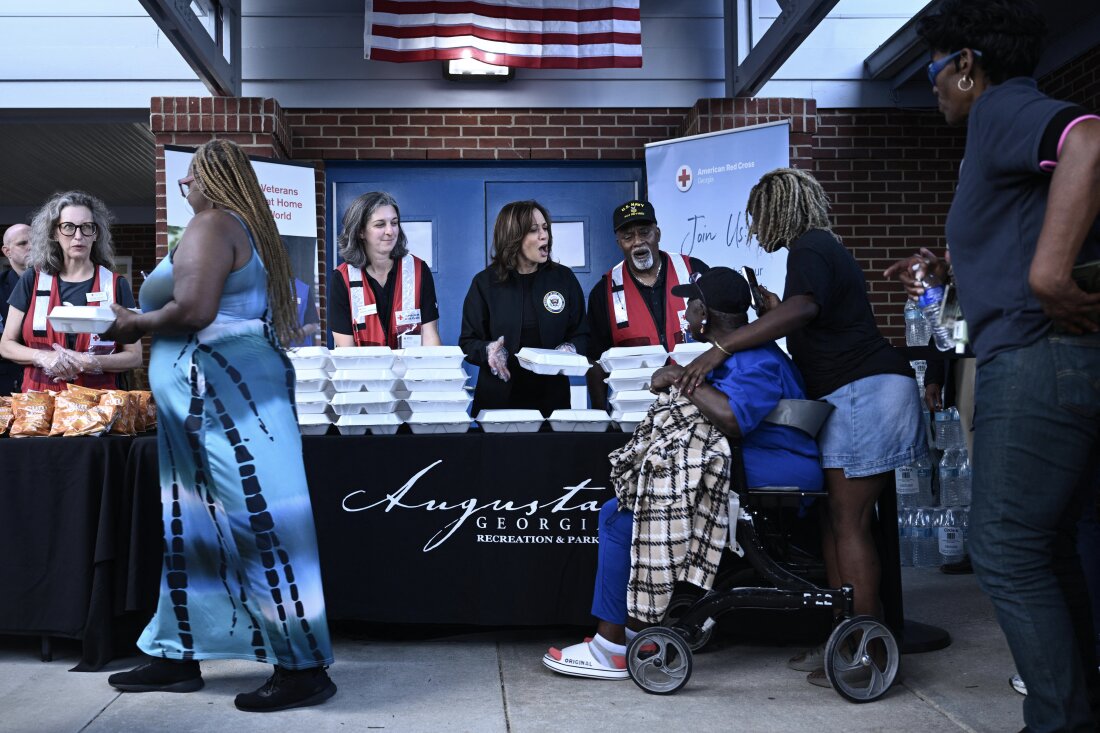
[125,329]
[696,372]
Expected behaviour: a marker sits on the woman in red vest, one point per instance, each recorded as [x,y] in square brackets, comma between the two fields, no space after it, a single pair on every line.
[70,262]
[380,295]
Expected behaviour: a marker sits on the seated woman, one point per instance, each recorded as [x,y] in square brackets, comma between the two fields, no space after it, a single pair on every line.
[70,262]
[367,306]
[523,298]
[736,398]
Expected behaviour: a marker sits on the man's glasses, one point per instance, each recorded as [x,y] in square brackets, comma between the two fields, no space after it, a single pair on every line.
[936,67]
[185,185]
[629,235]
[88,228]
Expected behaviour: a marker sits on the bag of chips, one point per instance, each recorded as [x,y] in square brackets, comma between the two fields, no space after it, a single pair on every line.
[6,415]
[146,411]
[96,421]
[126,412]
[32,414]
[71,404]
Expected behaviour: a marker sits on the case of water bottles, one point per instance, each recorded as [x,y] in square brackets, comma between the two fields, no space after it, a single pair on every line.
[932,528]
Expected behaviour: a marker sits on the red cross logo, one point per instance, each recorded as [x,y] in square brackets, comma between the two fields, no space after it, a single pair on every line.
[684,178]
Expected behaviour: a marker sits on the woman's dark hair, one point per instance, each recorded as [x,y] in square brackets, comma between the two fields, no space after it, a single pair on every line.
[513,224]
[1009,33]
[351,246]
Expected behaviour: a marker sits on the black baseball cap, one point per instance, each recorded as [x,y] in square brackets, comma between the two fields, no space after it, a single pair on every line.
[720,289]
[633,212]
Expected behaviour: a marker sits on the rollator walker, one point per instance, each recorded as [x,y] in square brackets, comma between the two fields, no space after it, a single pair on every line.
[861,654]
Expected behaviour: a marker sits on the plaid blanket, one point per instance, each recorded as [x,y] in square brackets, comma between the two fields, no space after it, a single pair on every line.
[674,474]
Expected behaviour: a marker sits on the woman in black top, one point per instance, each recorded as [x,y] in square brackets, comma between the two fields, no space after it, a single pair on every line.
[831,333]
[523,298]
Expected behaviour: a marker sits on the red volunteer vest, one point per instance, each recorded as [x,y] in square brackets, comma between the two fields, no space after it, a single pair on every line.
[39,334]
[631,322]
[366,324]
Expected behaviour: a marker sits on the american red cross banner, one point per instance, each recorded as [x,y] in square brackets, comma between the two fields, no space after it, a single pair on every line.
[533,34]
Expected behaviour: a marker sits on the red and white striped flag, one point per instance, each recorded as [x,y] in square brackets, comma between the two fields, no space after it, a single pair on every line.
[533,34]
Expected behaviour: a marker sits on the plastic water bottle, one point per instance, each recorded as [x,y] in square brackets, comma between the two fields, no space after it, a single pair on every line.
[964,478]
[948,429]
[950,534]
[931,303]
[923,468]
[908,490]
[951,466]
[926,552]
[905,537]
[917,328]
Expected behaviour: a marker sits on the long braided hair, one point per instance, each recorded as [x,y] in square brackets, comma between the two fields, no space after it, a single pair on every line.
[785,204]
[225,176]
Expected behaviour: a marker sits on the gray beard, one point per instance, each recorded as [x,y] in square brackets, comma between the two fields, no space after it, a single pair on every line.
[644,263]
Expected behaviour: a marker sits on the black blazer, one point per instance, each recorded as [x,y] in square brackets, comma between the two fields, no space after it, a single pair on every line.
[493,309]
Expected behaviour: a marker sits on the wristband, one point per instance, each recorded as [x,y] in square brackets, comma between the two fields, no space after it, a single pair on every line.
[719,347]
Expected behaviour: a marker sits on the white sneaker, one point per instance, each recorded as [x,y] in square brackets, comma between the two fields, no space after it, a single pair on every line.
[1017,684]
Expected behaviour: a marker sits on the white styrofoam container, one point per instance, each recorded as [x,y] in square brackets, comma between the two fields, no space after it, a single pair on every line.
[379,424]
[684,354]
[310,357]
[579,421]
[439,422]
[311,380]
[628,421]
[552,361]
[81,318]
[434,380]
[372,380]
[362,357]
[432,357]
[420,402]
[510,421]
[630,379]
[313,424]
[311,403]
[633,357]
[353,403]
[632,400]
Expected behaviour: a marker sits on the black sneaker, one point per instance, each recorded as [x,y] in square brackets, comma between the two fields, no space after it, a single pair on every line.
[286,689]
[159,675]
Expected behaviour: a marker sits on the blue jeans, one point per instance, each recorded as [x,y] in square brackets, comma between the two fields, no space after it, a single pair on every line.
[613,568]
[1036,469]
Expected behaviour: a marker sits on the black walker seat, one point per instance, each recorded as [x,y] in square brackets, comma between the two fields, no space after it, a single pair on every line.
[861,654]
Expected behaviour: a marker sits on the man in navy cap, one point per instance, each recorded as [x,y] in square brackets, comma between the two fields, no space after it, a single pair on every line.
[632,304]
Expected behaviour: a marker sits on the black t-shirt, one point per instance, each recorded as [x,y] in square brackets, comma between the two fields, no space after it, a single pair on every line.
[75,293]
[843,343]
[599,319]
[339,310]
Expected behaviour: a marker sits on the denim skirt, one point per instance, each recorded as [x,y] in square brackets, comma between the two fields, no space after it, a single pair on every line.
[876,426]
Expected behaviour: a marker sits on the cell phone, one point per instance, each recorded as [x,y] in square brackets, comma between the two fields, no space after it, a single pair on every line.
[755,298]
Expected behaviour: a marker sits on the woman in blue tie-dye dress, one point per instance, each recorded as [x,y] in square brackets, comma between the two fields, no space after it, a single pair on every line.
[241,578]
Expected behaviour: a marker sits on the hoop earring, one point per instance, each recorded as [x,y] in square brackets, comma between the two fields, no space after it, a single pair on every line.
[959,83]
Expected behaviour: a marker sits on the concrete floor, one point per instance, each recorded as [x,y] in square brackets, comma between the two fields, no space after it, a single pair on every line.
[494,681]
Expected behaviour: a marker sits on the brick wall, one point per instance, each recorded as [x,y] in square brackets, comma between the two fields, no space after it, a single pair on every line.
[136,241]
[1078,81]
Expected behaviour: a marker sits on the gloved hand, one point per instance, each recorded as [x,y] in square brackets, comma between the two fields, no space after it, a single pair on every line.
[87,363]
[58,363]
[567,346]
[496,355]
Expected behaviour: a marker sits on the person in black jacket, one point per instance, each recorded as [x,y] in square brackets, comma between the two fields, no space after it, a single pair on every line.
[522,299]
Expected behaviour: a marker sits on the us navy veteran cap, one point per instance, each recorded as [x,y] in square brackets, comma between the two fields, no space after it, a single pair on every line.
[633,212]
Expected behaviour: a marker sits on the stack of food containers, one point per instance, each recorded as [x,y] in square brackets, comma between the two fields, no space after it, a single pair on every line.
[367,390]
[434,384]
[629,370]
[684,354]
[312,388]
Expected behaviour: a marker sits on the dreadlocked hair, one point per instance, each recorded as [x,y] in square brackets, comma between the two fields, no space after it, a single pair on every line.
[785,204]
[225,176]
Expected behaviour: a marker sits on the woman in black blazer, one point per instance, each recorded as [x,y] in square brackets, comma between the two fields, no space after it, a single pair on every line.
[522,298]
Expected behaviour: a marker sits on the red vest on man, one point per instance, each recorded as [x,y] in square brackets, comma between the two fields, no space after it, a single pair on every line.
[39,334]
[631,322]
[366,324]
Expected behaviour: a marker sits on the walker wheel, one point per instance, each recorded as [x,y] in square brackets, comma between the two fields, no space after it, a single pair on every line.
[861,659]
[659,660]
[677,607]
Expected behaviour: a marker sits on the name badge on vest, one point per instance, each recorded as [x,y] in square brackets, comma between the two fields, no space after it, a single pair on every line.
[408,340]
[366,310]
[99,297]
[405,318]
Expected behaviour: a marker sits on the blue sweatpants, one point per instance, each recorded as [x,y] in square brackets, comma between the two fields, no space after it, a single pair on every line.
[613,568]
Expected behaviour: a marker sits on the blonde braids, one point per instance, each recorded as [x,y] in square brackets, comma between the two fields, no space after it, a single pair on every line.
[227,178]
[785,204]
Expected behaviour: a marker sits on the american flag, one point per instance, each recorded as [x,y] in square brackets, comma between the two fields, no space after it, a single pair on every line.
[533,34]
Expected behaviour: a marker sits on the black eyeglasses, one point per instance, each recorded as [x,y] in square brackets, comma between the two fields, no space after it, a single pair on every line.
[88,228]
